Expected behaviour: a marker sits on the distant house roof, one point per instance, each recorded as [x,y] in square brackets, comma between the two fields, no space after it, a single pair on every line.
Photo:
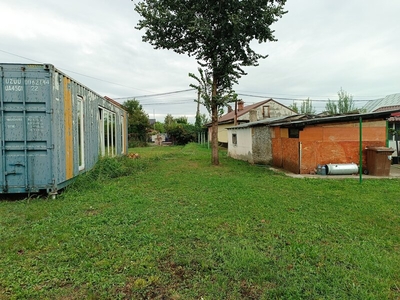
[229,117]
[390,102]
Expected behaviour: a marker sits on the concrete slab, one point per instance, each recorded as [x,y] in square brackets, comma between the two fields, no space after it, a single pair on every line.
[394,174]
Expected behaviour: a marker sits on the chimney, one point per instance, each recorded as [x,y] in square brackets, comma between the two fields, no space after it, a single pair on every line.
[253,115]
[240,105]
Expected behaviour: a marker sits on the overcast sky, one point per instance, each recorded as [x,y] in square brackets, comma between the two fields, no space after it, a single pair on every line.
[322,46]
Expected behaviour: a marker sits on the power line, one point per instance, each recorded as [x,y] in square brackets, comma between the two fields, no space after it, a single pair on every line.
[70,71]
[301,96]
[295,99]
[164,103]
[20,56]
[121,98]
[180,91]
[156,95]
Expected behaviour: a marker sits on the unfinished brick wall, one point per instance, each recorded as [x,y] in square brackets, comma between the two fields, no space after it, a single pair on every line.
[324,144]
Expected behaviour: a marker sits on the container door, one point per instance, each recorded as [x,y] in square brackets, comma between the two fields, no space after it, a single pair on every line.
[25,130]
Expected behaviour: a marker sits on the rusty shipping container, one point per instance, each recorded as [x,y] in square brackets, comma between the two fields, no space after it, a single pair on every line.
[53,128]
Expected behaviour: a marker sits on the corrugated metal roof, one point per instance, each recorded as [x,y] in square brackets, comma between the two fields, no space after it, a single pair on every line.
[302,120]
[388,101]
[335,119]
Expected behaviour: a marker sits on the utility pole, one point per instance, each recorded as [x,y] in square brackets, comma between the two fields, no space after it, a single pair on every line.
[198,103]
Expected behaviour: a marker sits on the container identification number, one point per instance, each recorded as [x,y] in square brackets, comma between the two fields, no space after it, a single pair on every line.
[16,84]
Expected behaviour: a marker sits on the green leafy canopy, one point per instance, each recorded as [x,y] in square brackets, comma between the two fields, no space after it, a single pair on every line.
[217,33]
[138,122]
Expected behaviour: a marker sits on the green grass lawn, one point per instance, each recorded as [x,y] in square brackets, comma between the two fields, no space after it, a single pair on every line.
[171,226]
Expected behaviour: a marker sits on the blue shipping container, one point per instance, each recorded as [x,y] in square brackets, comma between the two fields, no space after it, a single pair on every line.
[53,128]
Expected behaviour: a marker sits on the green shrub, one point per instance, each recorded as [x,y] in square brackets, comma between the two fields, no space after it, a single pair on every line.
[108,168]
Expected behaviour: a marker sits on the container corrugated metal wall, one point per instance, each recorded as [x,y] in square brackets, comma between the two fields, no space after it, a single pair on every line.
[52,128]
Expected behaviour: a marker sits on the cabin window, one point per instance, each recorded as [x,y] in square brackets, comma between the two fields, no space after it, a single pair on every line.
[81,134]
[107,132]
[234,138]
[123,143]
[294,133]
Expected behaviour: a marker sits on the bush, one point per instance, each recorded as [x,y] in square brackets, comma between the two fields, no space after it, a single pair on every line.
[108,168]
[181,134]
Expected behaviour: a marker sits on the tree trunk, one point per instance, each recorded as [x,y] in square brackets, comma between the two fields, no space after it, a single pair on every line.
[214,122]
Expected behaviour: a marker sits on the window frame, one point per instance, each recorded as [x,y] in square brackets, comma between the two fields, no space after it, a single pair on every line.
[107,132]
[234,139]
[294,133]
[81,132]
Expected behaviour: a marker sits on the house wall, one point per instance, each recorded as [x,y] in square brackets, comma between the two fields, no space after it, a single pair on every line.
[270,109]
[285,150]
[277,110]
[324,144]
[262,145]
[243,148]
[223,133]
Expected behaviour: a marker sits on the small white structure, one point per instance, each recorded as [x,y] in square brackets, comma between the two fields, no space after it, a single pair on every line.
[252,141]
[243,149]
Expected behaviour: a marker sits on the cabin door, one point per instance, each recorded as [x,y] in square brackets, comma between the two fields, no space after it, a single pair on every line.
[24,131]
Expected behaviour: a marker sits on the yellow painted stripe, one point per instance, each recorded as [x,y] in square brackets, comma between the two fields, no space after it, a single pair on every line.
[69,149]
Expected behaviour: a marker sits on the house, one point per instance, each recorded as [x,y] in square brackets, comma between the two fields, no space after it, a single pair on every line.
[300,143]
[158,138]
[244,114]
[390,102]
[252,141]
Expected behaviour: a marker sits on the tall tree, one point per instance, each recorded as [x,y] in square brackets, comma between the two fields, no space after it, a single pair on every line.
[159,127]
[219,34]
[168,121]
[307,107]
[204,90]
[331,107]
[344,105]
[138,122]
[294,107]
[179,130]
